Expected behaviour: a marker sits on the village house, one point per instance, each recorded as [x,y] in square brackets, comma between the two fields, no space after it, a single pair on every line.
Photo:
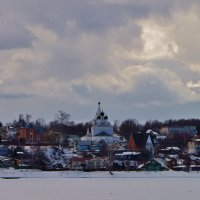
[189,130]
[88,163]
[5,151]
[155,164]
[126,160]
[141,142]
[140,149]
[29,136]
[7,133]
[194,146]
[169,151]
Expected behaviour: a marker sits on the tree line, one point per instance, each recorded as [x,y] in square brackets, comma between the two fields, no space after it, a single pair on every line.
[130,126]
[63,124]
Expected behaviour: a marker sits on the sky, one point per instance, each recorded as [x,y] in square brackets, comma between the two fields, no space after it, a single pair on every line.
[139,58]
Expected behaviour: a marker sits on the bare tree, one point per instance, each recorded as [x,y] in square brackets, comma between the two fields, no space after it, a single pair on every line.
[40,122]
[129,126]
[28,118]
[62,117]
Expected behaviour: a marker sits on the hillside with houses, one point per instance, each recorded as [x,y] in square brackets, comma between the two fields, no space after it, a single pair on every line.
[100,146]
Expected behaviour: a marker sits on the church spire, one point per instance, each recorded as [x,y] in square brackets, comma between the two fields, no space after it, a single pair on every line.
[99,108]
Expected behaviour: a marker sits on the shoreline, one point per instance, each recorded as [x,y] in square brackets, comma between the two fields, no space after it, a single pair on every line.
[15,174]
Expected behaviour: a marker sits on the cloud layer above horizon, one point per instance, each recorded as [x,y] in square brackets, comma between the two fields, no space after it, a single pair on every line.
[140,58]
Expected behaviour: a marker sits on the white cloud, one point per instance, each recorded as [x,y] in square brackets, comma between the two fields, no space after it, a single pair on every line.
[195,68]
[185,32]
[190,84]
[157,42]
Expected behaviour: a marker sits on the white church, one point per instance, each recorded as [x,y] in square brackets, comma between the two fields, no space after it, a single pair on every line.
[101,129]
[101,126]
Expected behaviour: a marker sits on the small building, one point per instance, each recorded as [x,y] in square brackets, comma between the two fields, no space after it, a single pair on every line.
[5,151]
[154,165]
[141,142]
[172,162]
[126,160]
[29,136]
[194,146]
[88,163]
[73,140]
[6,162]
[189,130]
[88,146]
[7,133]
[174,150]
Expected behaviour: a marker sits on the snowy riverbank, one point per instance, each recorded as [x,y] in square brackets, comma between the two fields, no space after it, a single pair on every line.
[99,185]
[11,173]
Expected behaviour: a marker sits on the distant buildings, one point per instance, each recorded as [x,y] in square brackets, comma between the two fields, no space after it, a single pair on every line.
[194,146]
[141,142]
[140,149]
[23,135]
[7,133]
[156,164]
[176,147]
[29,136]
[190,130]
[100,133]
[101,129]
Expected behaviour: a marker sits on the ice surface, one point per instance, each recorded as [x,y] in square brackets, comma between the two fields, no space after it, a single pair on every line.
[36,185]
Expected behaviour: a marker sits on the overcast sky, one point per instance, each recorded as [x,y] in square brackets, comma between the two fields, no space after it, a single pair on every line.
[140,58]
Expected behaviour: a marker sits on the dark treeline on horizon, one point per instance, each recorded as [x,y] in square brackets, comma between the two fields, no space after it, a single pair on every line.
[130,126]
[63,124]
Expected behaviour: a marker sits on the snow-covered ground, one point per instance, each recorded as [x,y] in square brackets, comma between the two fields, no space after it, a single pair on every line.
[69,185]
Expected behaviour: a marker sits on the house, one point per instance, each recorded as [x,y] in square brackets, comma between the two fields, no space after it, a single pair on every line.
[165,152]
[189,130]
[7,162]
[5,151]
[126,160]
[155,164]
[88,163]
[194,146]
[88,146]
[7,133]
[141,142]
[73,140]
[172,162]
[29,136]
[195,163]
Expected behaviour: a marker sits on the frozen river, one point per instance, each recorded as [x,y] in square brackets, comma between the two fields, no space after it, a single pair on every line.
[101,186]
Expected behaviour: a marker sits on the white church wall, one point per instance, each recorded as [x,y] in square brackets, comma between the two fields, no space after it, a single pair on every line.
[98,129]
